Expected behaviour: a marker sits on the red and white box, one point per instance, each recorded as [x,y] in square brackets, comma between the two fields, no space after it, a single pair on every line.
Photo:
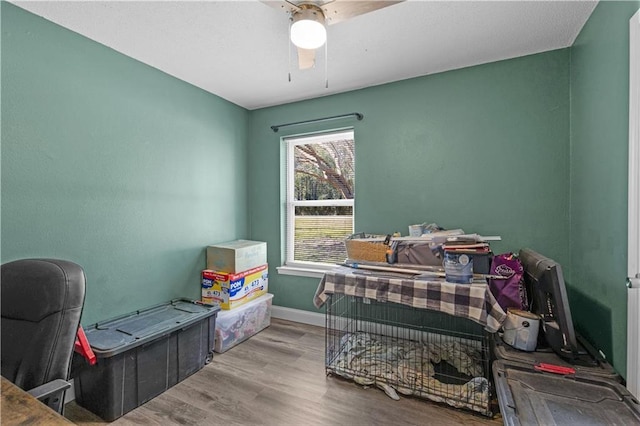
[231,290]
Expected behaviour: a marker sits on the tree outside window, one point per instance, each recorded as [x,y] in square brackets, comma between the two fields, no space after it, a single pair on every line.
[320,197]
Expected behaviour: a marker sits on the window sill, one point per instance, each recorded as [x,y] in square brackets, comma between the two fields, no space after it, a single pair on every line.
[300,271]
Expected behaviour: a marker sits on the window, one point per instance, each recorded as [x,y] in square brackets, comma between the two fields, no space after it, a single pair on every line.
[319,201]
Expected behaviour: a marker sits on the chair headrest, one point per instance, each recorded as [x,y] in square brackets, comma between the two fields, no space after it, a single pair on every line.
[35,288]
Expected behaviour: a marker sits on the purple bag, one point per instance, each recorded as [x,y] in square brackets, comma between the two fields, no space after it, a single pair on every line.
[509,292]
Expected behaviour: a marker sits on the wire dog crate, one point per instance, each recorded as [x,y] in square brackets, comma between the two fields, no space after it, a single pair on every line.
[409,351]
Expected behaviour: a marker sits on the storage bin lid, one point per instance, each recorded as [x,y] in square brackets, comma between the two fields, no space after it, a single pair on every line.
[114,336]
[588,361]
[528,396]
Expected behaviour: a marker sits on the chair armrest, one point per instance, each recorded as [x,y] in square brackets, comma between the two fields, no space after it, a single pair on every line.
[51,393]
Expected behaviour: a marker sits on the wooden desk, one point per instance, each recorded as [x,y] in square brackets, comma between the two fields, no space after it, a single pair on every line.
[18,407]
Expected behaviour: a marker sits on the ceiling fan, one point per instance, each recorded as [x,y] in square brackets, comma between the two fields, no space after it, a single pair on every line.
[309,19]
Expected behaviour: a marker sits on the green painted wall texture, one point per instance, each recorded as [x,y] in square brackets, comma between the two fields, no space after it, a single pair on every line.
[599,143]
[484,148]
[131,173]
[114,165]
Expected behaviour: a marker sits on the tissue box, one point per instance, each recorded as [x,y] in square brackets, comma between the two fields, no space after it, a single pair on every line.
[237,325]
[236,256]
[233,290]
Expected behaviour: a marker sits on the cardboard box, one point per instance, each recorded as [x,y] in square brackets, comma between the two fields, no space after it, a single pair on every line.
[233,290]
[237,325]
[236,256]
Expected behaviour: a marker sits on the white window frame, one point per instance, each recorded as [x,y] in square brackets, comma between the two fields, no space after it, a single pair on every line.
[633,251]
[290,266]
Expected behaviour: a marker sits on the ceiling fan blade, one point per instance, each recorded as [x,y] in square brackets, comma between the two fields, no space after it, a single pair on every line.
[283,5]
[334,10]
[306,58]
[341,10]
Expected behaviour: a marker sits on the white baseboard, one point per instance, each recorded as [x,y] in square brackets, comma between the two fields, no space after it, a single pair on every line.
[298,315]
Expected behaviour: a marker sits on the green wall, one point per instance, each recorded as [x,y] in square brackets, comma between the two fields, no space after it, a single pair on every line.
[114,165]
[599,143]
[131,173]
[484,148]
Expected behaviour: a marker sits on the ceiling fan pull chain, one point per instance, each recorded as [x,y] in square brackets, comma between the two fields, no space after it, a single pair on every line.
[326,66]
[289,45]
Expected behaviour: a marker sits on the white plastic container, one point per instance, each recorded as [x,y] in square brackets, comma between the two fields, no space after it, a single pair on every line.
[458,267]
[416,230]
[521,329]
[237,325]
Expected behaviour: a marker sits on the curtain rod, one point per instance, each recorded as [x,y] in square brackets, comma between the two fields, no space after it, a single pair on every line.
[358,115]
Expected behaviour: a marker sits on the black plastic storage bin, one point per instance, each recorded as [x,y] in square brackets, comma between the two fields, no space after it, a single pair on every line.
[142,354]
[531,397]
[587,363]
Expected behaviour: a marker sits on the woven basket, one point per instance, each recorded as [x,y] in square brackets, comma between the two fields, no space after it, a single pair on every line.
[370,251]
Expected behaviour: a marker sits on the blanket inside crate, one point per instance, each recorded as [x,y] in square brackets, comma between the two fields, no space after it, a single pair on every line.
[408,367]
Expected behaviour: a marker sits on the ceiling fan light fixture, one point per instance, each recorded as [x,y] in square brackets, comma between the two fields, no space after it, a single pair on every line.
[308,30]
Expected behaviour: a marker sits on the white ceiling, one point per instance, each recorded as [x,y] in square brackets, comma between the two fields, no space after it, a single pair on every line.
[239,50]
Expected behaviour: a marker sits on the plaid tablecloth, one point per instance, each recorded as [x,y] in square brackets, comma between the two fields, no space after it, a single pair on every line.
[471,301]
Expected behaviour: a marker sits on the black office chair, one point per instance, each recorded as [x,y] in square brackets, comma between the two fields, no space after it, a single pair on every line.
[42,302]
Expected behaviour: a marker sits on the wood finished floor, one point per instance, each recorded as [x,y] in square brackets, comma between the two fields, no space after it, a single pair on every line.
[277,378]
